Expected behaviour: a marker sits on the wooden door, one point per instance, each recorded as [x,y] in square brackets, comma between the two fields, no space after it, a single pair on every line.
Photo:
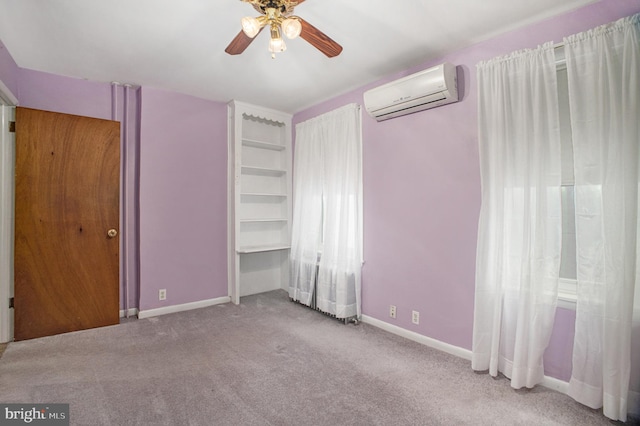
[66,214]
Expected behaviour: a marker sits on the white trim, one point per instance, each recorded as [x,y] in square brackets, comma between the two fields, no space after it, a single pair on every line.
[183,307]
[548,382]
[234,169]
[7,96]
[7,99]
[132,312]
[567,302]
[411,335]
[6,219]
[567,293]
[555,384]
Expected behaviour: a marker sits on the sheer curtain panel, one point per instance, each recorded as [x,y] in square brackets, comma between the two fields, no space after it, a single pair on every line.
[327,219]
[519,239]
[306,228]
[603,67]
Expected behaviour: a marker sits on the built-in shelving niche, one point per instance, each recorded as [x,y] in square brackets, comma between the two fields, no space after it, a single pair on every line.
[260,199]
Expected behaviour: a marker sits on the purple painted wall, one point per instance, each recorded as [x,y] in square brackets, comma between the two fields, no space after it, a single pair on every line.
[67,95]
[178,149]
[183,186]
[178,145]
[8,70]
[558,356]
[39,90]
[421,183]
[422,197]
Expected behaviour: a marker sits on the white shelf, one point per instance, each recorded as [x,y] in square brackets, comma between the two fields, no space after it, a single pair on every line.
[259,202]
[265,171]
[260,220]
[262,194]
[263,248]
[264,145]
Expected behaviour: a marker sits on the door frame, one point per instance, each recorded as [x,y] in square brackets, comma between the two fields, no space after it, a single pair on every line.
[8,102]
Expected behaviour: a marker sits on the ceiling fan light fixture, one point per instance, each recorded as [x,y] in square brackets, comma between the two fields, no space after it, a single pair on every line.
[279,16]
[276,44]
[251,26]
[291,27]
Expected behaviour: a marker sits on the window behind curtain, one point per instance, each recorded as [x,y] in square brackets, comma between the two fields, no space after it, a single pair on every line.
[567,285]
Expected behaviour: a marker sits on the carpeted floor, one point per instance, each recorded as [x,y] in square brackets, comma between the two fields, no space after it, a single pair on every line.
[267,361]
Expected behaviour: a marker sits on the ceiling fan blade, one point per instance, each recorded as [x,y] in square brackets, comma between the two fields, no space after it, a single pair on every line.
[319,40]
[240,43]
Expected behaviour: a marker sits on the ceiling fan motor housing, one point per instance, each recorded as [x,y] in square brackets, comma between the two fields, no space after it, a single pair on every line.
[273,5]
[283,7]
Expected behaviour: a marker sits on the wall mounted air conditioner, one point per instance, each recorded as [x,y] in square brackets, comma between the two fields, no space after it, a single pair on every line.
[426,89]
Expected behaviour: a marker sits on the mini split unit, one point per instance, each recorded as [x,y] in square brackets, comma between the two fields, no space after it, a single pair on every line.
[423,90]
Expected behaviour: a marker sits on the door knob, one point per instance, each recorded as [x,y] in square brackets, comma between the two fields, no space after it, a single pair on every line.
[111,233]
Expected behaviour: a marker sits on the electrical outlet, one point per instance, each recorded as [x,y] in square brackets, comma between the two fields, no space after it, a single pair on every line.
[162,294]
[392,311]
[415,317]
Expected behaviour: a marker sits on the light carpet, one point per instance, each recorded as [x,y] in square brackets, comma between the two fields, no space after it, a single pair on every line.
[267,361]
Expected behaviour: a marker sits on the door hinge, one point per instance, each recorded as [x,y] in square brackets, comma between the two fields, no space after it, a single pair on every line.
[11,302]
[12,126]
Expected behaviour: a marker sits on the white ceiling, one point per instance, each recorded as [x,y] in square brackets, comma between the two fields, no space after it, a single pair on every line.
[179,45]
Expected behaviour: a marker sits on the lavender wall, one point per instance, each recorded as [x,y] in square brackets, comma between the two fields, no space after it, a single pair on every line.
[177,149]
[183,186]
[67,95]
[422,197]
[421,183]
[8,70]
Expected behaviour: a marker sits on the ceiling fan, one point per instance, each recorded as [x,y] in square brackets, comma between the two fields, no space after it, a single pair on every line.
[278,15]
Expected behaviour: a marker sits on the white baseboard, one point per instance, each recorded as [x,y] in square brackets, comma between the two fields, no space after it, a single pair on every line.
[183,307]
[547,382]
[132,312]
[411,335]
[555,384]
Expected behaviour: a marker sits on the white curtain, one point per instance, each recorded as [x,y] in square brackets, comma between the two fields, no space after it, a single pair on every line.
[306,230]
[603,67]
[327,218]
[519,240]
